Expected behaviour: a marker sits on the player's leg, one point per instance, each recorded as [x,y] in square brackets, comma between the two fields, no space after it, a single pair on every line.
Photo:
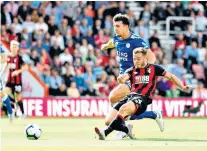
[146,114]
[16,91]
[112,114]
[125,110]
[18,98]
[119,93]
[8,90]
[6,101]
[114,110]
[156,115]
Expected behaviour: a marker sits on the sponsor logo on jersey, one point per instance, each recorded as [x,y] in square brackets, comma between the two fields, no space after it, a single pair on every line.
[12,65]
[141,79]
[128,45]
[123,56]
[149,70]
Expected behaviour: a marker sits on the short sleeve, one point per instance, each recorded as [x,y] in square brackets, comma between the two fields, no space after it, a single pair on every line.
[21,61]
[159,71]
[139,42]
[113,40]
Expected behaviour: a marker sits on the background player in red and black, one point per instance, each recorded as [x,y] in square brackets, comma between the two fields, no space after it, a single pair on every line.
[143,79]
[16,67]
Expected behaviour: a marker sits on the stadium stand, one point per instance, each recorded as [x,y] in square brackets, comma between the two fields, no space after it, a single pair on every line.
[61,42]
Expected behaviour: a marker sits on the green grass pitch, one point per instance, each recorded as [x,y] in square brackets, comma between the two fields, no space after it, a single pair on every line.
[69,134]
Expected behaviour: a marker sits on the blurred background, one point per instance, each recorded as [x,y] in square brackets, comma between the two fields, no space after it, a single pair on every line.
[69,76]
[61,41]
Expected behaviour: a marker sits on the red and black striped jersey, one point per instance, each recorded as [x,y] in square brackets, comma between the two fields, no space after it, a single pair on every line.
[15,63]
[144,80]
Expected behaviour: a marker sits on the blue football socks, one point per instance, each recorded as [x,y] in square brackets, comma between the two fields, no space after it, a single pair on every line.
[146,114]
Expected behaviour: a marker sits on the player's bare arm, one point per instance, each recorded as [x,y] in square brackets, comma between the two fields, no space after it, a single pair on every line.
[23,68]
[4,69]
[108,45]
[3,58]
[123,78]
[176,81]
[151,57]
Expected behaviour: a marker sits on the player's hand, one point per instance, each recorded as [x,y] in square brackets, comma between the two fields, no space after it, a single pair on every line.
[120,79]
[104,47]
[15,73]
[186,88]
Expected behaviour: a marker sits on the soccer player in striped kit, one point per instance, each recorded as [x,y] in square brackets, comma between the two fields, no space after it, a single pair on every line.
[143,78]
[14,82]
[125,42]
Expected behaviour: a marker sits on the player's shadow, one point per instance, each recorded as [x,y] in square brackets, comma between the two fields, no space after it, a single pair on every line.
[170,140]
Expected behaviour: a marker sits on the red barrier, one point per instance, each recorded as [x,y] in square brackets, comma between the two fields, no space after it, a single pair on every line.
[63,107]
[175,107]
[99,107]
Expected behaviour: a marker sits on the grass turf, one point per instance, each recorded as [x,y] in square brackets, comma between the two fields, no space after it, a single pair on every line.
[70,134]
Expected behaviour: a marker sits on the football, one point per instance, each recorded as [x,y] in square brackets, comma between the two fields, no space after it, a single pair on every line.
[32,132]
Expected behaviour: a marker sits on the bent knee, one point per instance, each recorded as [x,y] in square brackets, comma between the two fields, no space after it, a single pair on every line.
[112,98]
[107,122]
[18,97]
[124,110]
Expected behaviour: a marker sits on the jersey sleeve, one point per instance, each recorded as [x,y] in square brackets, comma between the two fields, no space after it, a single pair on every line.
[114,39]
[21,61]
[159,71]
[139,42]
[129,71]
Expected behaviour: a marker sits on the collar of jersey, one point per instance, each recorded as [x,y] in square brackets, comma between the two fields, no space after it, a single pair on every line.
[126,38]
[144,67]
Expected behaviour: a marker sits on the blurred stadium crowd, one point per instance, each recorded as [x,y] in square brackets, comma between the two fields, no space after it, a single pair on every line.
[61,43]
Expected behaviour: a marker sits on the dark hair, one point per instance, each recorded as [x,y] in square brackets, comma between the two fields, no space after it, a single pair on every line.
[122,17]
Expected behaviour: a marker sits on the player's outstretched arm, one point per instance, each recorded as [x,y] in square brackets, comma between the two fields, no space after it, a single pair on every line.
[108,45]
[123,78]
[151,58]
[176,81]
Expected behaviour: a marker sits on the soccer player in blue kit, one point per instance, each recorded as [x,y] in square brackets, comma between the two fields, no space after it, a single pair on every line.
[125,42]
[3,95]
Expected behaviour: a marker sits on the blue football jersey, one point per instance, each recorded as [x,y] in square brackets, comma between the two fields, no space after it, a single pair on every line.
[125,49]
[1,49]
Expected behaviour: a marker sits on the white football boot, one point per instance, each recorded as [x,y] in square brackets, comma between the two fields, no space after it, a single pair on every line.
[159,120]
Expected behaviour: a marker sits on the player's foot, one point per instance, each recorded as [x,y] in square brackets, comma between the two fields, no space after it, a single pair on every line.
[11,117]
[121,135]
[22,117]
[159,120]
[100,133]
[130,131]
